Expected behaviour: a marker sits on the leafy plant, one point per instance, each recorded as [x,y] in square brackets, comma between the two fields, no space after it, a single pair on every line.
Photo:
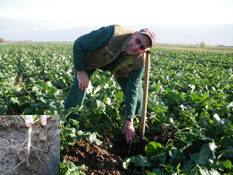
[190,93]
[69,168]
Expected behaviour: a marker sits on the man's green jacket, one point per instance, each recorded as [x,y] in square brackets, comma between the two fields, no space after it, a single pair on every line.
[131,86]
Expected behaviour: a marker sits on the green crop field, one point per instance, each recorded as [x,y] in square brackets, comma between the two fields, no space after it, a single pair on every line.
[190,96]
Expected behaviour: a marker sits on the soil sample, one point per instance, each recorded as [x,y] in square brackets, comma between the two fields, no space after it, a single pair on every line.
[44,148]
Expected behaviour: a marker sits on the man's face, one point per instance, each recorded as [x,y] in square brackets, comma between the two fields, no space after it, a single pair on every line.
[138,44]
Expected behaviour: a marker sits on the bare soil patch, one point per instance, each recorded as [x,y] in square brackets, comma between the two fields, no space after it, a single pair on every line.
[108,157]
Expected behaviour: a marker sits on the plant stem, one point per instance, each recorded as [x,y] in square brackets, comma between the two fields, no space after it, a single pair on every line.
[29,144]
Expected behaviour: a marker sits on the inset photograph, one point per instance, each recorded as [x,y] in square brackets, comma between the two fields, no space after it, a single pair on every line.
[29,145]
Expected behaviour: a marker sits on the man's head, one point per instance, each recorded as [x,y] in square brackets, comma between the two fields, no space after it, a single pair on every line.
[141,41]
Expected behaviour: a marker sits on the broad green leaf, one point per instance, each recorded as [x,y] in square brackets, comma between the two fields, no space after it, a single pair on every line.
[101,105]
[154,148]
[212,146]
[157,171]
[202,157]
[75,122]
[204,171]
[204,154]
[14,100]
[218,119]
[160,157]
[213,172]
[93,139]
[141,161]
[126,163]
[230,105]
[49,84]
[227,164]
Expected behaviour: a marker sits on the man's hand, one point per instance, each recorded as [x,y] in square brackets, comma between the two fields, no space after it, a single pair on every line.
[29,120]
[129,131]
[83,80]
[43,119]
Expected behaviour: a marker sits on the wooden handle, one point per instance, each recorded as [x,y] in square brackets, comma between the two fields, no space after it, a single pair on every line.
[145,95]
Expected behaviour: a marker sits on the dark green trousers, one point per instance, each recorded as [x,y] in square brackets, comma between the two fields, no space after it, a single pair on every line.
[76,96]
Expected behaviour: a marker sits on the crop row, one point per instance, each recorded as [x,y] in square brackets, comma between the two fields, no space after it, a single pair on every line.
[190,93]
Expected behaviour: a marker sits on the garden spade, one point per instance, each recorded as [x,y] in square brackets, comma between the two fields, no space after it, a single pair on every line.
[145,94]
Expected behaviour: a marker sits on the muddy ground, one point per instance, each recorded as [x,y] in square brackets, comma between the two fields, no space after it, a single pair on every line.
[107,158]
[13,145]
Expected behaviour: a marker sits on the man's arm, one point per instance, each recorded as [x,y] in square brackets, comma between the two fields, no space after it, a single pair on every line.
[86,43]
[90,42]
[131,97]
[132,92]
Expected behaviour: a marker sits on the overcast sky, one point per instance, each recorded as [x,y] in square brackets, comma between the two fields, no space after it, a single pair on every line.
[69,13]
[58,14]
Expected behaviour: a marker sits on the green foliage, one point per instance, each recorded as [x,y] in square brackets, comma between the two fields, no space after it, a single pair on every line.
[70,134]
[69,168]
[156,152]
[190,92]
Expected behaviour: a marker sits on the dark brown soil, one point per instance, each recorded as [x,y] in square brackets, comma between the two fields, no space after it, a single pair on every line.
[109,156]
[97,159]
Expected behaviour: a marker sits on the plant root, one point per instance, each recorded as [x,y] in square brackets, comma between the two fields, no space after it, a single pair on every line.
[14,167]
[29,145]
